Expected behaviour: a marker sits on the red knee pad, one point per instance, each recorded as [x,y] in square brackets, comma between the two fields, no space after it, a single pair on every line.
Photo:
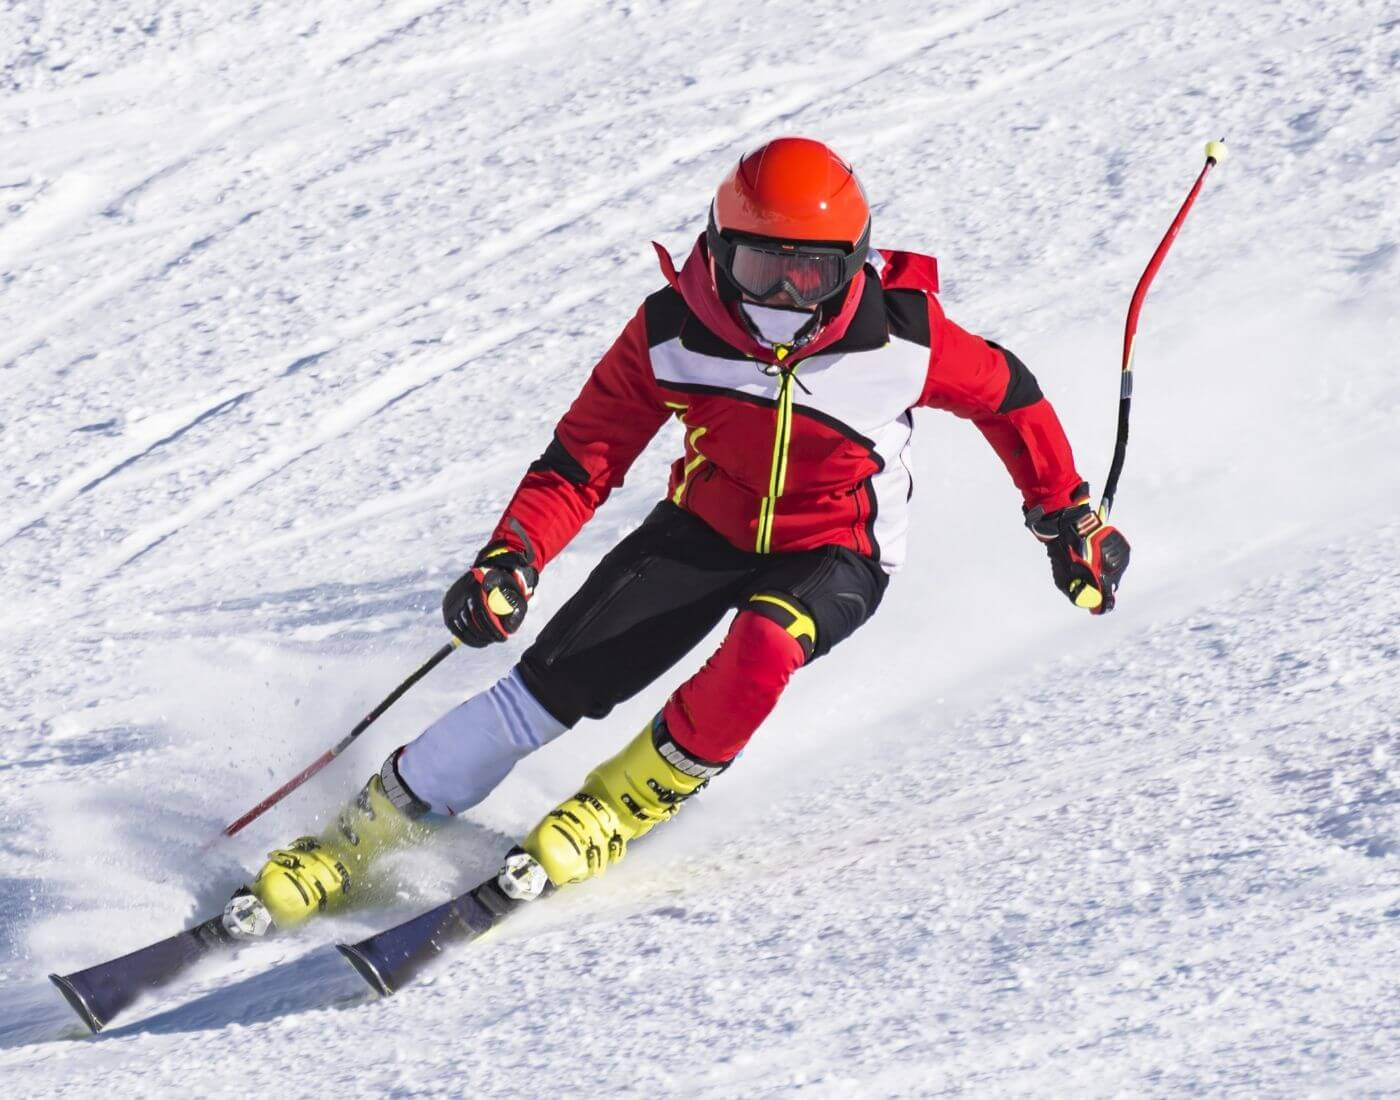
[714,713]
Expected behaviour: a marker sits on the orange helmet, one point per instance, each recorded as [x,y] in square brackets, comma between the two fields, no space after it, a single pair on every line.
[790,219]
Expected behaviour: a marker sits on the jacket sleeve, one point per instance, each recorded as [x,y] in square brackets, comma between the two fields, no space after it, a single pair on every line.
[609,424]
[983,382]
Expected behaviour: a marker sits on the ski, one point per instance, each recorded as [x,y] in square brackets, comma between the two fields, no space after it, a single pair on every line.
[100,992]
[387,961]
[392,958]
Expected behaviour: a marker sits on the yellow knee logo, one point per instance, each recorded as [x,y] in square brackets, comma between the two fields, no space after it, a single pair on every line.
[790,617]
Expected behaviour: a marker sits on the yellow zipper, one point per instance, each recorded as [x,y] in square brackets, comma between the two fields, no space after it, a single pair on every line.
[777,474]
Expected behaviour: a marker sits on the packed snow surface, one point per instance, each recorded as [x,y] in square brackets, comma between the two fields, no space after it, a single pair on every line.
[293,292]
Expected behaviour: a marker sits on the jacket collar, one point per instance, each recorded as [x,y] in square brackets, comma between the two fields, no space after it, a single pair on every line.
[869,324]
[859,325]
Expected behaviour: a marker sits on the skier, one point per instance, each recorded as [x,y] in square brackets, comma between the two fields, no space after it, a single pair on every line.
[793,354]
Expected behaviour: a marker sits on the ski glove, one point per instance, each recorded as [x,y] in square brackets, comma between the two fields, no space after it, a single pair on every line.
[1087,556]
[487,603]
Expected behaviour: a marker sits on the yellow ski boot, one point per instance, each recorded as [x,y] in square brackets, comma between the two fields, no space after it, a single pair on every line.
[317,873]
[622,799]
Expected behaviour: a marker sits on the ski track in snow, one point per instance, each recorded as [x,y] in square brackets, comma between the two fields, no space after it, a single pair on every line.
[291,294]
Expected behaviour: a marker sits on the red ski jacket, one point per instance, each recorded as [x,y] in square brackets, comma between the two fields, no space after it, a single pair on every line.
[809,451]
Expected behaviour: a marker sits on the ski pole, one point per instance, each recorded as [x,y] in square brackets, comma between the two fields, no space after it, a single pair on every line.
[345,742]
[1215,154]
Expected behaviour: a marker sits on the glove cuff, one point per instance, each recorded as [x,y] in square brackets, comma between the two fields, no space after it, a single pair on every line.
[502,555]
[1046,525]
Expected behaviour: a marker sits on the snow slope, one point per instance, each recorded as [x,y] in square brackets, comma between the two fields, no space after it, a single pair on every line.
[289,296]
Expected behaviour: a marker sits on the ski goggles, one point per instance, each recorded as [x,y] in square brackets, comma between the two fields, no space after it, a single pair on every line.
[808,273]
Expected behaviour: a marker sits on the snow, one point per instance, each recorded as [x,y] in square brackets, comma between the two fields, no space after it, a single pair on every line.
[293,293]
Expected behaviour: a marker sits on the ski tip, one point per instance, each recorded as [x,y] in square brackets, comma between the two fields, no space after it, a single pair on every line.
[366,968]
[79,1003]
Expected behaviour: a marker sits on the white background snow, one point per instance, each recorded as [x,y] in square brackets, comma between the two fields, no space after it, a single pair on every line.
[291,293]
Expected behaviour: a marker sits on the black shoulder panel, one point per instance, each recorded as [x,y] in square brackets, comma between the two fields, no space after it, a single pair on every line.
[559,461]
[697,338]
[668,317]
[1022,389]
[908,313]
[665,314]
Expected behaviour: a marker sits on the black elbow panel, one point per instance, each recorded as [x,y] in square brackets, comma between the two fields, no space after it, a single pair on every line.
[559,461]
[1022,389]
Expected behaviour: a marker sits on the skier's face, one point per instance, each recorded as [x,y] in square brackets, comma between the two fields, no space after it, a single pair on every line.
[777,324]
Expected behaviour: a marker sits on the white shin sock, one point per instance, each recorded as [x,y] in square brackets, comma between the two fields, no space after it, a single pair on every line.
[458,760]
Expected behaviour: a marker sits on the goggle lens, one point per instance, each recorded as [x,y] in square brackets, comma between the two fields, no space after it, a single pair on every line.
[808,277]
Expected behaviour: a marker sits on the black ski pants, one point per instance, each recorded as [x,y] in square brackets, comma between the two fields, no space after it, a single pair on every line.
[662,589]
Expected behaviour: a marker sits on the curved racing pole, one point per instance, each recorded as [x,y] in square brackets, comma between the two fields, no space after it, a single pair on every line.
[1215,154]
